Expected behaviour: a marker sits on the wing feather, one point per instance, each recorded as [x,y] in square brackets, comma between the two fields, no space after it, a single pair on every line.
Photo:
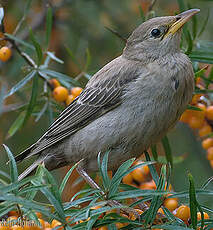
[100,96]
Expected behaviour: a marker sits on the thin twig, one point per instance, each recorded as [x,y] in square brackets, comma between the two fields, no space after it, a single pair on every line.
[116,34]
[152,5]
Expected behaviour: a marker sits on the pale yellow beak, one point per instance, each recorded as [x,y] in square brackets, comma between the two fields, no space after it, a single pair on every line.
[182,18]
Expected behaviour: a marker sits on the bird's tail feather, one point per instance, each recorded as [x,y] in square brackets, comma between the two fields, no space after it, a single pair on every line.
[30,169]
[24,154]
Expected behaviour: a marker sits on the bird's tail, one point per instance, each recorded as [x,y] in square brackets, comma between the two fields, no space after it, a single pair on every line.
[24,154]
[30,169]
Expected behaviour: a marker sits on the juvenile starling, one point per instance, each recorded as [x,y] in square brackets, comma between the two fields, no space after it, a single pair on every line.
[126,106]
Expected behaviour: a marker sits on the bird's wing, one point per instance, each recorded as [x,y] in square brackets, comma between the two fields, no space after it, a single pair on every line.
[100,96]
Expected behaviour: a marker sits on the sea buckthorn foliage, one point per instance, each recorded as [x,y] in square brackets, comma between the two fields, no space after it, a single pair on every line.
[140,194]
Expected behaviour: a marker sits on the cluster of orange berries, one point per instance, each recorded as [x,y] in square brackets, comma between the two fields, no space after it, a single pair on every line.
[5,53]
[62,94]
[141,178]
[201,120]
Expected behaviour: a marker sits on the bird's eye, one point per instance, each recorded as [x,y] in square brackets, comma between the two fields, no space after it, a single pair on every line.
[155,33]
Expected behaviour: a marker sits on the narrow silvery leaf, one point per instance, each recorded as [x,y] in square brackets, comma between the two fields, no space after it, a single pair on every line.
[1,15]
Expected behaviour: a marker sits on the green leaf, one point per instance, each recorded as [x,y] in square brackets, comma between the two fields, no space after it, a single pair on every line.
[170,216]
[207,182]
[2,95]
[21,83]
[137,193]
[202,56]
[156,200]
[60,77]
[154,152]
[5,210]
[48,25]
[170,227]
[191,107]
[65,179]
[37,48]
[33,99]
[189,42]
[193,202]
[19,41]
[27,204]
[53,200]
[69,51]
[16,185]
[13,166]
[204,24]
[194,26]
[141,13]
[1,15]
[16,124]
[152,169]
[113,187]
[39,173]
[88,60]
[42,112]
[103,170]
[53,57]
[168,151]
[181,5]
[201,71]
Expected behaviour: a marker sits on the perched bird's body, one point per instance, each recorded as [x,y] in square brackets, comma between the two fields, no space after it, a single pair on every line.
[126,106]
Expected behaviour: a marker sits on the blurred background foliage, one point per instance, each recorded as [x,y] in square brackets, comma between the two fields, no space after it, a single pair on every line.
[80,27]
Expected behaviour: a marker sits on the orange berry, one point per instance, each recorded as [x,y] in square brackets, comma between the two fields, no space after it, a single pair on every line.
[54,82]
[103,228]
[70,99]
[170,203]
[198,80]
[186,116]
[206,216]
[76,91]
[5,54]
[148,185]
[138,175]
[127,179]
[16,227]
[120,225]
[13,213]
[183,212]
[60,93]
[207,143]
[56,223]
[211,163]
[46,225]
[196,98]
[210,154]
[209,112]
[145,169]
[196,122]
[205,130]
[39,215]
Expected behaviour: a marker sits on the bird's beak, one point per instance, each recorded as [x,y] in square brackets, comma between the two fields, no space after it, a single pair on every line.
[181,18]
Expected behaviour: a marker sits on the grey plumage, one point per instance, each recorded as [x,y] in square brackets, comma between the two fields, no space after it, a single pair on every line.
[126,106]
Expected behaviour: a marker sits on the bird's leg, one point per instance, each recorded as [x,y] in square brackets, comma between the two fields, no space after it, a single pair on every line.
[111,203]
[87,178]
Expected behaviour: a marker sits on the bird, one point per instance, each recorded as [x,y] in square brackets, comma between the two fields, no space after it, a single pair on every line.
[127,106]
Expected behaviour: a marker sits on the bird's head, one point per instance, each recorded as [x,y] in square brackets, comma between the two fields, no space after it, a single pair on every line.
[157,37]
